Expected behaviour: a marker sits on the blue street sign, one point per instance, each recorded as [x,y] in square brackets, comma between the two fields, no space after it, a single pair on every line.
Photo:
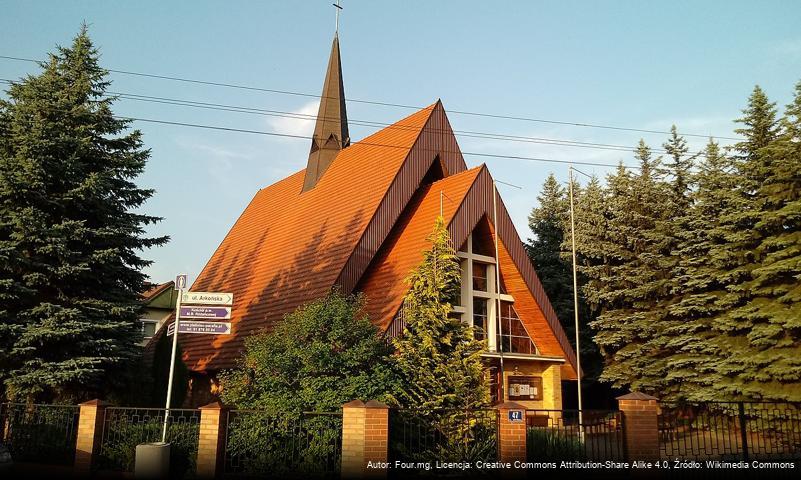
[516,416]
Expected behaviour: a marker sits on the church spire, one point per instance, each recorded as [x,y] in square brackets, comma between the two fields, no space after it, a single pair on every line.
[331,129]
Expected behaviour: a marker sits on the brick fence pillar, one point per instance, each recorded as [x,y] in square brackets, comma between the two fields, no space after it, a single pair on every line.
[640,427]
[90,435]
[365,432]
[211,443]
[511,432]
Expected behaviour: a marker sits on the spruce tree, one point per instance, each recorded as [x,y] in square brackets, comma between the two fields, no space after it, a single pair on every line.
[678,168]
[635,280]
[670,222]
[745,335]
[548,223]
[590,220]
[767,341]
[438,357]
[692,353]
[70,238]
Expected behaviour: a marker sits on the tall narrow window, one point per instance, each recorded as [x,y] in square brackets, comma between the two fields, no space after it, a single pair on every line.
[480,318]
[479,277]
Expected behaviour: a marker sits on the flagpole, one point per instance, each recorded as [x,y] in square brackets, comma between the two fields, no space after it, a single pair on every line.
[575,301]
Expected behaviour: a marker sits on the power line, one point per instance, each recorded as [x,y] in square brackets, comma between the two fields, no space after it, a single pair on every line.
[385,104]
[403,147]
[369,123]
[366,143]
[406,147]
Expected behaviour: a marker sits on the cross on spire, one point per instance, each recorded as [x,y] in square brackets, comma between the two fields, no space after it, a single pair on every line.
[338,7]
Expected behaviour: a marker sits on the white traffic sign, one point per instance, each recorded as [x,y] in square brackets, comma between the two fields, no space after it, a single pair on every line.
[208,298]
[170,329]
[210,328]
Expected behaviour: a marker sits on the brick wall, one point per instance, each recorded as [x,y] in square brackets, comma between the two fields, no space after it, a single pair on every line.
[211,443]
[90,435]
[511,434]
[365,435]
[640,426]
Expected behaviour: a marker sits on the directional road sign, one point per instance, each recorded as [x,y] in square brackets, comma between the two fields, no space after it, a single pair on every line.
[214,313]
[208,298]
[210,328]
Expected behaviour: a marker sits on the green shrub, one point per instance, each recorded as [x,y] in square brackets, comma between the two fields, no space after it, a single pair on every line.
[551,444]
[259,443]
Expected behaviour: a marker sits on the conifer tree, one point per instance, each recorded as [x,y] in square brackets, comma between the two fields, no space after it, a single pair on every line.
[70,271]
[678,168]
[590,219]
[635,280]
[548,223]
[692,354]
[763,350]
[437,355]
[741,331]
[669,224]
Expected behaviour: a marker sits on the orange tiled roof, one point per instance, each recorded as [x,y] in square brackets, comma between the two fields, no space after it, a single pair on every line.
[363,226]
[288,247]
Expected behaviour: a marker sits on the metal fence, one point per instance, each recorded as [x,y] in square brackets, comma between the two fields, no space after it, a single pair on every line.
[574,435]
[40,433]
[730,431]
[417,439]
[259,444]
[125,428]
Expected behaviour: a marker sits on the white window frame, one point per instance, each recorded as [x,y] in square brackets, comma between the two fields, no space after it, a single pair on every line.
[143,321]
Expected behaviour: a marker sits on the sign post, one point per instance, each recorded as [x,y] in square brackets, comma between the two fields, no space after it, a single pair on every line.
[202,307]
[180,285]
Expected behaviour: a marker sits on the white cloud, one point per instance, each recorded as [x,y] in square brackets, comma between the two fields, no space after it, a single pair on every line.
[302,124]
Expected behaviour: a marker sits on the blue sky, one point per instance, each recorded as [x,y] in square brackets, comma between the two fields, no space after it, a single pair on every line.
[627,63]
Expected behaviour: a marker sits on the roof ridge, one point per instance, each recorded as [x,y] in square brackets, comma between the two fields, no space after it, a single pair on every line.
[407,119]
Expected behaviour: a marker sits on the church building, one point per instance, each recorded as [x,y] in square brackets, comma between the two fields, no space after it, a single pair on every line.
[357,216]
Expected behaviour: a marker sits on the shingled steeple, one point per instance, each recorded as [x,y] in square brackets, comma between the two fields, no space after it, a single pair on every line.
[331,130]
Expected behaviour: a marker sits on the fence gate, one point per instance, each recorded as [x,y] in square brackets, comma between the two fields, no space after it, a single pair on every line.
[730,431]
[574,435]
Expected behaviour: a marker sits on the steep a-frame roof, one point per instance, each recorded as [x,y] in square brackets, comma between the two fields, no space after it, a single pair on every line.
[289,246]
[464,199]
